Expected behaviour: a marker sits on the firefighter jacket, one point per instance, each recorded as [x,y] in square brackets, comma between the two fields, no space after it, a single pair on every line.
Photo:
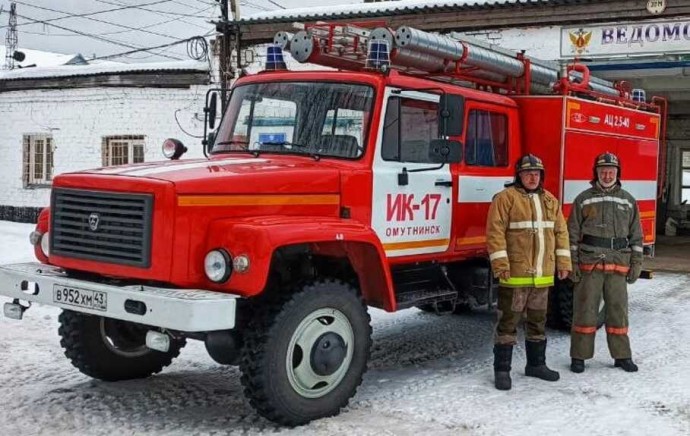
[527,235]
[605,230]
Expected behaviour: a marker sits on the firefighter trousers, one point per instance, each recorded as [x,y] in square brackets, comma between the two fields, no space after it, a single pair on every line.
[514,304]
[586,302]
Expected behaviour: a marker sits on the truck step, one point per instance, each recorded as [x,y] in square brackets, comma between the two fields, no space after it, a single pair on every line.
[417,298]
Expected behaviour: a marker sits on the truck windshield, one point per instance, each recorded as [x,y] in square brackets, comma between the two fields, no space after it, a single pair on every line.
[315,118]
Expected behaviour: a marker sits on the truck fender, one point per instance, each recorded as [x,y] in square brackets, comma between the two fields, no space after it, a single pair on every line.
[258,238]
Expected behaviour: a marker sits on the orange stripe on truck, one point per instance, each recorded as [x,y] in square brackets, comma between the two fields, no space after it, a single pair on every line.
[416,244]
[471,241]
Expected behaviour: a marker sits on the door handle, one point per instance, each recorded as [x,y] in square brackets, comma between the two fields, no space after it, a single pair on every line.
[448,183]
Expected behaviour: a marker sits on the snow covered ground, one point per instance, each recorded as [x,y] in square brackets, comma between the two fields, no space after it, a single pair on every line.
[428,375]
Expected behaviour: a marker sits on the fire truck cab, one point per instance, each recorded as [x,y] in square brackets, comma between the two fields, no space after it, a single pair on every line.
[324,192]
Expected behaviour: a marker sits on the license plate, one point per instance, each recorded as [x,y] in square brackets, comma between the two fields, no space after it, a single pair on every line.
[95,300]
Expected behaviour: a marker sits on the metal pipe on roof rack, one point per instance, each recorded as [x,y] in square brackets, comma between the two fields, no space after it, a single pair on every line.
[420,61]
[485,58]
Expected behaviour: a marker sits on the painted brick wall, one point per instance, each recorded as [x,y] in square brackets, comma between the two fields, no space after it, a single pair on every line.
[80,118]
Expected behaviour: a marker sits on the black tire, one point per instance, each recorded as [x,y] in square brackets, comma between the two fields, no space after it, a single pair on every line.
[109,349]
[560,314]
[325,315]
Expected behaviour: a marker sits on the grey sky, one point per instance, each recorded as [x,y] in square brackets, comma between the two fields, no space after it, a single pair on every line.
[161,22]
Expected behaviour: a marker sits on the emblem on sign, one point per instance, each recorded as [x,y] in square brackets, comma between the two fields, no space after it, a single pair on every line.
[578,117]
[656,7]
[94,218]
[580,40]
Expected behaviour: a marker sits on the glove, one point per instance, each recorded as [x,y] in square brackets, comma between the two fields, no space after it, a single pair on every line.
[575,274]
[634,272]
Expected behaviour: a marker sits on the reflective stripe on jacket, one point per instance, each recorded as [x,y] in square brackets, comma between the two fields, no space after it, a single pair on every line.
[527,235]
[611,213]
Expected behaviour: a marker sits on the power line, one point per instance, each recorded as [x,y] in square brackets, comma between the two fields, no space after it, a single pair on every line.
[117,55]
[106,33]
[100,21]
[177,14]
[92,13]
[276,4]
[88,35]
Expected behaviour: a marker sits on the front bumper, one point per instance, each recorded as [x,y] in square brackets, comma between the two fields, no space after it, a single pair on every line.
[187,310]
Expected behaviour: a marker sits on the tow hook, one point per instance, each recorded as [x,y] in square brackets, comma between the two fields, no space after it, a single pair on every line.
[15,310]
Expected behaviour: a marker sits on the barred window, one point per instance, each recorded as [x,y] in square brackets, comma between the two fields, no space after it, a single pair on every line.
[37,151]
[122,150]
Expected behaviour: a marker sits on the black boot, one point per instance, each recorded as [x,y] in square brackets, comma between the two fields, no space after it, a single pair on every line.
[627,364]
[577,365]
[503,356]
[536,361]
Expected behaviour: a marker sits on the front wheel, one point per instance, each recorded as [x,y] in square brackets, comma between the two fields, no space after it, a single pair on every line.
[110,349]
[305,353]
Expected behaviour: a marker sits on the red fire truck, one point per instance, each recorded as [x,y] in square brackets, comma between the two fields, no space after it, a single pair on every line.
[323,193]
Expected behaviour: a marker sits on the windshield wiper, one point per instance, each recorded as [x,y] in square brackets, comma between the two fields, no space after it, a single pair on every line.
[284,143]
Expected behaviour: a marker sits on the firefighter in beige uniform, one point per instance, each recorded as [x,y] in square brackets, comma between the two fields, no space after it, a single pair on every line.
[606,246]
[527,240]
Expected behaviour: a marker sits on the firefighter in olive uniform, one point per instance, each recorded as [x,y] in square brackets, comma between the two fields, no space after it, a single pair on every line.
[606,246]
[527,241]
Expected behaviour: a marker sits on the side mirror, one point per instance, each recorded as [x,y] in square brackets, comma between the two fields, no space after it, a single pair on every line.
[210,140]
[211,110]
[445,151]
[451,116]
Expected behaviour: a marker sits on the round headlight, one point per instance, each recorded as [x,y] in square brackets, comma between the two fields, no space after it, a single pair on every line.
[217,266]
[45,243]
[173,148]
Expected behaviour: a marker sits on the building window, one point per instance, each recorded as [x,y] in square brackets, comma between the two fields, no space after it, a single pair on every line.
[685,177]
[486,144]
[122,150]
[409,127]
[38,160]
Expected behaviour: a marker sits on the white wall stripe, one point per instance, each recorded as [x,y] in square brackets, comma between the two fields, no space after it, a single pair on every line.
[640,189]
[475,189]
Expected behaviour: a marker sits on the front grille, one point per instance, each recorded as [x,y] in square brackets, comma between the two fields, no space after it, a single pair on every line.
[103,226]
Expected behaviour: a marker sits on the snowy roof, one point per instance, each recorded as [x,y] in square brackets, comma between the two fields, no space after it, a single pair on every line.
[383,8]
[101,68]
[42,58]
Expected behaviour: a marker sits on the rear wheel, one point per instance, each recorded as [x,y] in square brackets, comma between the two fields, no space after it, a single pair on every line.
[110,349]
[560,314]
[305,353]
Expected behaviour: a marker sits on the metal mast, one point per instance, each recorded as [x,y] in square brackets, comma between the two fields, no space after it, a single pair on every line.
[11,38]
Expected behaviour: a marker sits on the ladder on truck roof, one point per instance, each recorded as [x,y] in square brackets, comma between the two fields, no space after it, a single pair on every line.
[451,58]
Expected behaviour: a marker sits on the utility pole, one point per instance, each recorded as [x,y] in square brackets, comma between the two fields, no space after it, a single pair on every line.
[230,42]
[11,38]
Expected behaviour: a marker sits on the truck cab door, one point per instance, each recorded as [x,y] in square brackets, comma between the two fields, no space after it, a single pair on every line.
[411,197]
[491,144]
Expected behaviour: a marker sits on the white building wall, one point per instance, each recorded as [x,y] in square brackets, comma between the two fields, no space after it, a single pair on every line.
[78,119]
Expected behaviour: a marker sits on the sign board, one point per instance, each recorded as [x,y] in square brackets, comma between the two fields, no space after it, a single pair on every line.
[626,39]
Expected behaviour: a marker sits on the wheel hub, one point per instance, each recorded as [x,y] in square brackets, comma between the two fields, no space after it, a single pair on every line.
[328,353]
